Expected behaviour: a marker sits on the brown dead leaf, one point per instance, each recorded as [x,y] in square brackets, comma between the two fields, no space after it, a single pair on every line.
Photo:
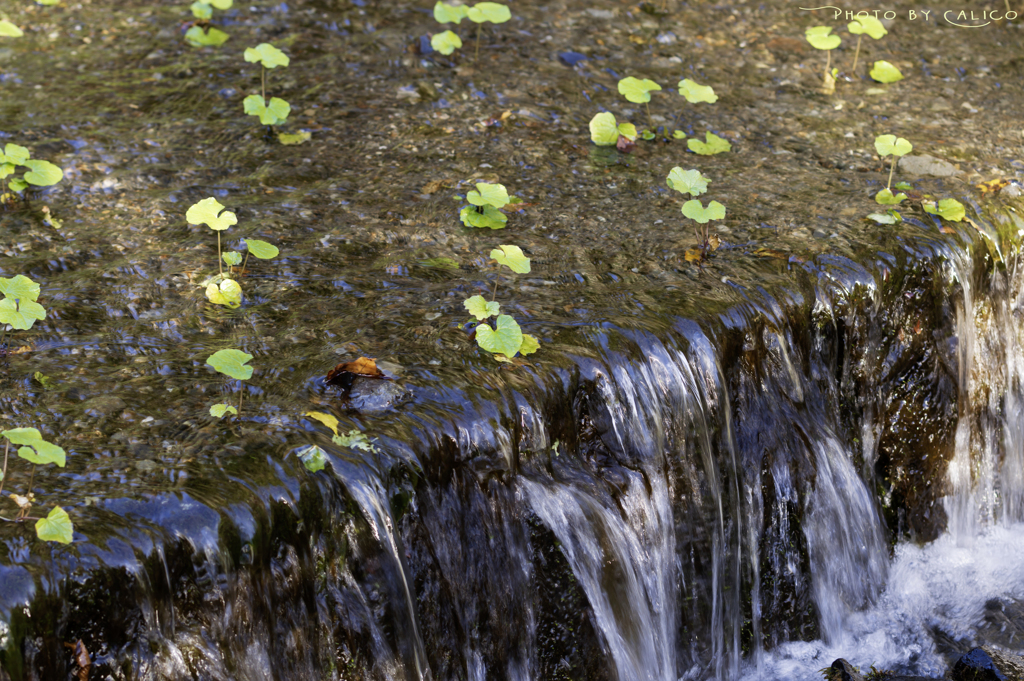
[714,242]
[82,660]
[693,255]
[992,186]
[346,372]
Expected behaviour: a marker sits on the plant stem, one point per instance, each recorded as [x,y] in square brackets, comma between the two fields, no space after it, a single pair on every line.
[263,83]
[856,53]
[891,168]
[495,294]
[476,56]
[220,260]
[241,394]
[244,262]
[32,479]
[828,63]
[650,121]
[7,448]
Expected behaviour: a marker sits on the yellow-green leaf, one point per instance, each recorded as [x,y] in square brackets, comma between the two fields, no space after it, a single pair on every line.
[949,209]
[326,419]
[867,25]
[10,30]
[636,90]
[313,458]
[603,131]
[489,11]
[261,249]
[530,345]
[266,54]
[714,145]
[219,410]
[512,257]
[446,42]
[293,139]
[225,292]
[884,72]
[20,314]
[56,526]
[890,144]
[481,308]
[445,14]
[208,212]
[694,210]
[695,93]
[213,37]
[21,287]
[488,194]
[819,38]
[43,173]
[506,338]
[232,363]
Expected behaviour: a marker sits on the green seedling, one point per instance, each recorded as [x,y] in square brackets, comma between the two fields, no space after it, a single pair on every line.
[820,39]
[890,145]
[56,526]
[276,110]
[884,72]
[693,183]
[483,12]
[687,181]
[694,94]
[713,145]
[354,438]
[39,173]
[220,290]
[639,92]
[889,217]
[197,36]
[18,306]
[604,132]
[9,30]
[948,209]
[860,26]
[446,43]
[231,363]
[487,201]
[261,249]
[505,337]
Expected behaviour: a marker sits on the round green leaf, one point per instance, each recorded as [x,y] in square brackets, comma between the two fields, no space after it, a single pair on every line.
[868,25]
[489,11]
[232,363]
[225,292]
[221,4]
[16,154]
[43,452]
[886,198]
[294,139]
[208,212]
[506,339]
[890,144]
[819,38]
[56,526]
[20,287]
[513,258]
[43,173]
[884,72]
[17,185]
[627,130]
[530,345]
[213,37]
[10,30]
[261,249]
[446,42]
[481,308]
[445,14]
[695,211]
[201,10]
[603,131]
[266,54]
[313,458]
[20,314]
[678,135]
[636,90]
[6,169]
[488,194]
[949,209]
[695,93]
[491,217]
[890,218]
[714,145]
[232,258]
[273,114]
[219,410]
[687,182]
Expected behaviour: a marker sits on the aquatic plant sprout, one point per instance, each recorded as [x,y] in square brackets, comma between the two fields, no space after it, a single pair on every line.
[639,92]
[713,145]
[18,306]
[39,173]
[884,72]
[56,526]
[687,181]
[233,363]
[861,26]
[446,43]
[890,145]
[604,132]
[695,210]
[948,209]
[487,201]
[821,38]
[481,13]
[276,110]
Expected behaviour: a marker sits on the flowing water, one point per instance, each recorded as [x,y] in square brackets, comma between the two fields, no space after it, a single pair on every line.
[810,446]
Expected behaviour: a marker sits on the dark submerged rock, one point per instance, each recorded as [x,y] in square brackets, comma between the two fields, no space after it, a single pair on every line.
[976,665]
[842,670]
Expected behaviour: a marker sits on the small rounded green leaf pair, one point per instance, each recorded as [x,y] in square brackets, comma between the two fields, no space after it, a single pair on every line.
[274,113]
[446,14]
[262,249]
[224,292]
[886,198]
[56,526]
[20,287]
[890,144]
[208,212]
[694,210]
[488,11]
[446,42]
[714,145]
[695,93]
[35,449]
[512,257]
[949,209]
[687,182]
[266,54]
[232,363]
[219,410]
[867,25]
[636,90]
[42,173]
[884,72]
[9,30]
[212,37]
[481,308]
[604,132]
[819,38]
